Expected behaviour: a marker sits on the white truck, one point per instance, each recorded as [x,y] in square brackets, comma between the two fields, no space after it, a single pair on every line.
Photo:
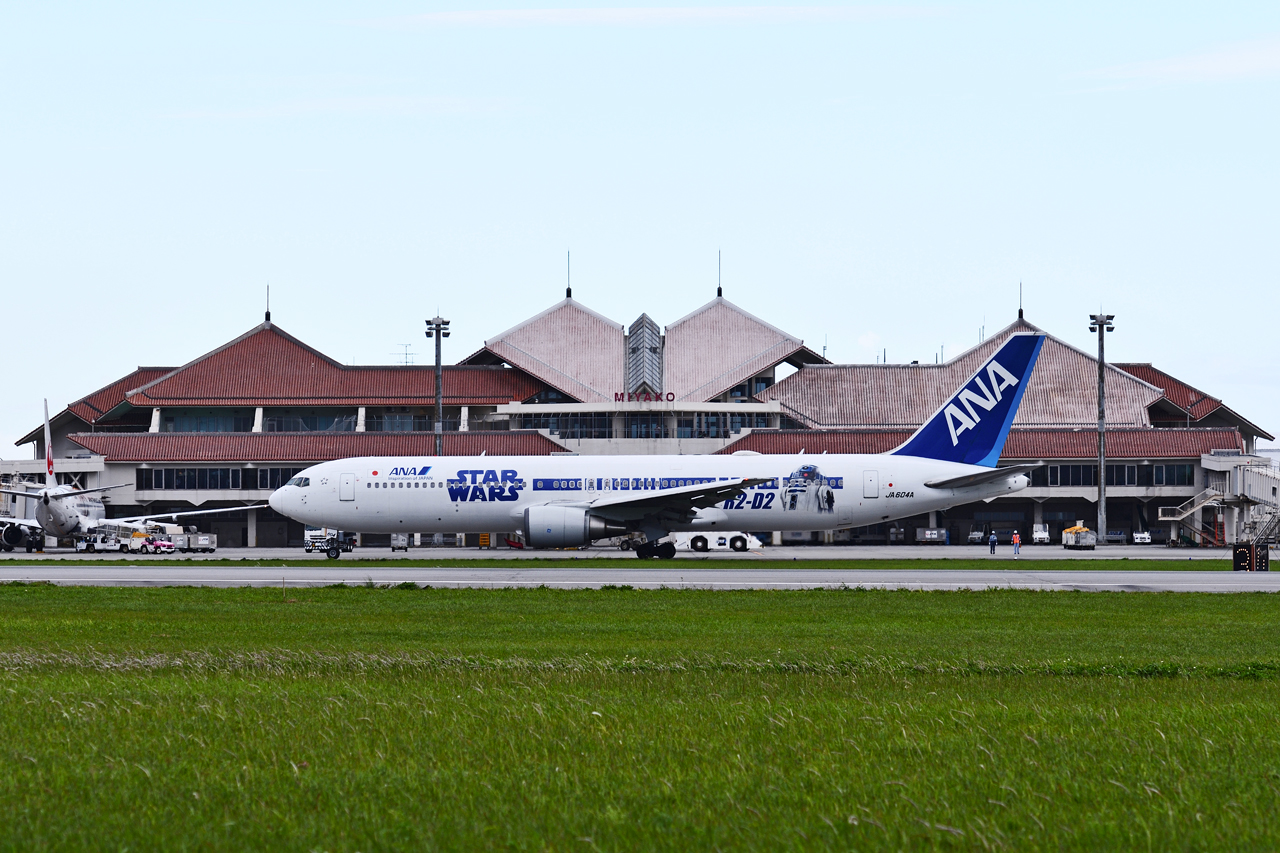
[1040,534]
[96,542]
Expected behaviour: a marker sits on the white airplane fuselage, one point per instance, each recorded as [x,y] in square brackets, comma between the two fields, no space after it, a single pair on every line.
[67,511]
[480,494]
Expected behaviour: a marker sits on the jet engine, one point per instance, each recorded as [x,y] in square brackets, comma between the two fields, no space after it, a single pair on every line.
[565,527]
[13,536]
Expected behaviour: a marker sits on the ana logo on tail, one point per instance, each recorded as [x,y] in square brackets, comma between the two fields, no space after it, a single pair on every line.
[972,425]
[957,421]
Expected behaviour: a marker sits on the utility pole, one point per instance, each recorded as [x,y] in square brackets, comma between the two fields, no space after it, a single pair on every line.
[439,328]
[1101,323]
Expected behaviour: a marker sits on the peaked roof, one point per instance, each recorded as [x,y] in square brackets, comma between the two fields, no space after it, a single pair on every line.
[719,345]
[902,395]
[266,366]
[92,407]
[569,347]
[1190,400]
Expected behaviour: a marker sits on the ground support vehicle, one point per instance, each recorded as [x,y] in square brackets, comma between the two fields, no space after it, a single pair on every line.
[1079,539]
[102,542]
[324,538]
[1040,534]
[1142,537]
[148,543]
[718,541]
[205,543]
[399,542]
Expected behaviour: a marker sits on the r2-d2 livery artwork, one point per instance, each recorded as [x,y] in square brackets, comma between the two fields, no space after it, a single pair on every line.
[808,491]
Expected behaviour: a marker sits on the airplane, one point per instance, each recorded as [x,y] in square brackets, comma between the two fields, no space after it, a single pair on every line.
[568,501]
[63,510]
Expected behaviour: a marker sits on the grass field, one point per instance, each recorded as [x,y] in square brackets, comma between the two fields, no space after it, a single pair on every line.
[361,719]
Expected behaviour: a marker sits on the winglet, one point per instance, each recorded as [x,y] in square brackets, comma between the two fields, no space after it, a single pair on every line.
[49,480]
[972,426]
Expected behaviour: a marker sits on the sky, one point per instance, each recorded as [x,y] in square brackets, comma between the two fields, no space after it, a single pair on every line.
[876,179]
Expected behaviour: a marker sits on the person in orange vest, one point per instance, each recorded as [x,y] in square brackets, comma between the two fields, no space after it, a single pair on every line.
[1017,544]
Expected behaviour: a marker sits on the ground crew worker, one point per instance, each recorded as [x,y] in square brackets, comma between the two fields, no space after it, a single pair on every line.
[991,540]
[1017,544]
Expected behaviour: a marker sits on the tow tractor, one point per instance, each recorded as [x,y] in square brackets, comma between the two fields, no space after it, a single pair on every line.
[330,540]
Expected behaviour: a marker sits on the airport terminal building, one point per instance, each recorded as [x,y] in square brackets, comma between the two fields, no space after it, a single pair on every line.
[230,426]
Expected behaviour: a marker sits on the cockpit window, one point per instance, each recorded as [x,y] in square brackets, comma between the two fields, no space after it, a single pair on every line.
[299,481]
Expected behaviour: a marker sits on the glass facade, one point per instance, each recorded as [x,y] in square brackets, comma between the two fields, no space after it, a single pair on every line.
[1179,474]
[187,479]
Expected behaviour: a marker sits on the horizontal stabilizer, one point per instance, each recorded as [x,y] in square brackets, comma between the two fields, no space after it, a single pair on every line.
[980,477]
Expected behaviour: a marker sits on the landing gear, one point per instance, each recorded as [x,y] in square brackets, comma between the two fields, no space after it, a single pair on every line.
[660,550]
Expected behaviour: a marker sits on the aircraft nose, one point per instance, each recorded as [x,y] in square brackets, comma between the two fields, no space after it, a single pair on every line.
[277,501]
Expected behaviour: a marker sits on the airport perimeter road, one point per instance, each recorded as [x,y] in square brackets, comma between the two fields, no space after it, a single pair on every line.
[642,576]
[797,553]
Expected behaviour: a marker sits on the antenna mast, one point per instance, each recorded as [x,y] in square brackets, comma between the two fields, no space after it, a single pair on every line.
[268,303]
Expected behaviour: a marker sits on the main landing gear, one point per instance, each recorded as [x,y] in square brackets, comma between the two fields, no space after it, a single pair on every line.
[660,550]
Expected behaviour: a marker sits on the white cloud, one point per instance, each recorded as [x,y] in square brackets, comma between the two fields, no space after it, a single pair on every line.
[661,16]
[1240,60]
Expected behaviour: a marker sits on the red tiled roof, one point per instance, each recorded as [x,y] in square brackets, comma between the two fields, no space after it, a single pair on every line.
[1121,443]
[1034,443]
[306,447]
[1176,391]
[97,404]
[268,367]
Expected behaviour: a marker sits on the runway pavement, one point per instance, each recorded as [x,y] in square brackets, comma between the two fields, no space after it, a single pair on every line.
[640,575]
[796,553]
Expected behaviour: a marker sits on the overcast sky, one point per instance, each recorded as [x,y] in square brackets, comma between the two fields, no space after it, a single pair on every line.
[878,177]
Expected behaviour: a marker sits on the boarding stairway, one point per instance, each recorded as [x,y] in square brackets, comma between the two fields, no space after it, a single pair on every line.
[1208,535]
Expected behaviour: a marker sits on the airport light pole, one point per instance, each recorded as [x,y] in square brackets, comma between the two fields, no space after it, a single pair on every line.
[1101,323]
[439,328]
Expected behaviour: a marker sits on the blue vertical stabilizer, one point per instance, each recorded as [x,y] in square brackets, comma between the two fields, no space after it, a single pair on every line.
[972,426]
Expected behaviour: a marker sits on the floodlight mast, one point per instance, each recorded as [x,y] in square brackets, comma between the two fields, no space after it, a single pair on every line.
[438,328]
[1101,323]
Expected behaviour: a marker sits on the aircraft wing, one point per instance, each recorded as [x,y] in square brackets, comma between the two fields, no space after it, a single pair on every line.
[139,520]
[682,502]
[29,523]
[19,494]
[979,477]
[36,494]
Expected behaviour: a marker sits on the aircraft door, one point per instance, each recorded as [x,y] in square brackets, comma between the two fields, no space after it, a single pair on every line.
[347,487]
[871,484]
